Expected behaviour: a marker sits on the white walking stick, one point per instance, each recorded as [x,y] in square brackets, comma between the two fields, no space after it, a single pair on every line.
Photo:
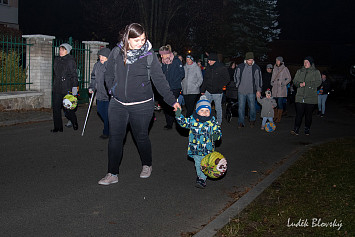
[87,114]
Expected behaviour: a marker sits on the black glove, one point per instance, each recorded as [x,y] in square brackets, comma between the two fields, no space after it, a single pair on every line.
[177,113]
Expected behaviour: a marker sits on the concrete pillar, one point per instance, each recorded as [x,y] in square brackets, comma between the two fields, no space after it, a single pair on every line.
[39,64]
[93,47]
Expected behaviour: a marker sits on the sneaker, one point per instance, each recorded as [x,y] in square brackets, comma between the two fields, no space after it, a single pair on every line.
[295,132]
[146,171]
[262,128]
[69,124]
[306,131]
[240,125]
[109,179]
[200,183]
[322,115]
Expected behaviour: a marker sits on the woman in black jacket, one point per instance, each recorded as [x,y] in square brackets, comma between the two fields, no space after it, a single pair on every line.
[129,68]
[65,82]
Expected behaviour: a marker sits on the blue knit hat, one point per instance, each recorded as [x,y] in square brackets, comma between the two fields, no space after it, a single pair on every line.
[203,103]
[190,57]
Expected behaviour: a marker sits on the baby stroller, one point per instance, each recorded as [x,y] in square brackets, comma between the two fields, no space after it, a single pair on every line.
[232,101]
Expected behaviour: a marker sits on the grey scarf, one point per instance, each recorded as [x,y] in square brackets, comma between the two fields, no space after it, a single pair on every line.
[134,54]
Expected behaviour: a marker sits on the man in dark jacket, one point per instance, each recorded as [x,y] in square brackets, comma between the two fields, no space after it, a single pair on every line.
[174,73]
[216,77]
[248,79]
[65,82]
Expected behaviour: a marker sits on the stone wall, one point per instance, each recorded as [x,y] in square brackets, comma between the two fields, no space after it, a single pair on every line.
[21,100]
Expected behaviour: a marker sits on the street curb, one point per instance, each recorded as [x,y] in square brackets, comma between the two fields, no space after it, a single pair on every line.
[211,229]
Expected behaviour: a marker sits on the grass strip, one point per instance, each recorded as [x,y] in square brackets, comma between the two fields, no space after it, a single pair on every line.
[314,197]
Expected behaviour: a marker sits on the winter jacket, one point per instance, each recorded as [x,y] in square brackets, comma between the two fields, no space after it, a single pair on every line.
[216,77]
[267,106]
[193,79]
[130,83]
[174,73]
[279,80]
[248,78]
[325,86]
[311,76]
[266,82]
[200,135]
[65,75]
[98,81]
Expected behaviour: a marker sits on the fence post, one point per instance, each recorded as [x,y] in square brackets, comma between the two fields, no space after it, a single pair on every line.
[39,61]
[93,47]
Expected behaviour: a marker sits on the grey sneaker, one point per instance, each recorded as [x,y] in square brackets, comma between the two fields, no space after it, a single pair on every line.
[109,179]
[69,124]
[146,171]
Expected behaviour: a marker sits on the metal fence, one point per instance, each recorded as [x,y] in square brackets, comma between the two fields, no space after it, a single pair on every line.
[13,71]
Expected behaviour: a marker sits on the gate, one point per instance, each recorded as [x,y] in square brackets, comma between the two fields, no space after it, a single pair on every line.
[82,58]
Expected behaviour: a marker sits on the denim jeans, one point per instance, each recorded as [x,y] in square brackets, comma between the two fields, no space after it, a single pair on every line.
[266,119]
[280,102]
[139,117]
[241,109]
[102,110]
[321,102]
[199,172]
[217,98]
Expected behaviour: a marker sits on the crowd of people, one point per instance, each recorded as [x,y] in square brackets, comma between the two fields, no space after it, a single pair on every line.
[123,80]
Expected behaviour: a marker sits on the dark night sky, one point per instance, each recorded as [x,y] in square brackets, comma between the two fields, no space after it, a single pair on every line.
[300,20]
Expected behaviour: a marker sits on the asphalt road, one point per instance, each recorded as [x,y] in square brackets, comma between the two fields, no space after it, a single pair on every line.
[49,187]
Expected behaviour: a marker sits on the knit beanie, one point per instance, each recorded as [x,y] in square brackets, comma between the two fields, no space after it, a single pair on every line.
[281,59]
[309,59]
[203,103]
[66,46]
[104,52]
[249,55]
[190,57]
[269,66]
[213,57]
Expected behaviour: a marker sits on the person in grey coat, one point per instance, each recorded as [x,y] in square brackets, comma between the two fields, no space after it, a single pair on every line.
[267,108]
[248,80]
[191,84]
[98,84]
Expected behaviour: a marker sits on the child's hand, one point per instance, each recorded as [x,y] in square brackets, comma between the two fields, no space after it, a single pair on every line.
[215,137]
[178,112]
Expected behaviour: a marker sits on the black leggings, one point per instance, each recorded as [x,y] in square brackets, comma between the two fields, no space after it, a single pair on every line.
[139,117]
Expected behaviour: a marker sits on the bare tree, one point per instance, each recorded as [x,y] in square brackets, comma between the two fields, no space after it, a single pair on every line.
[156,16]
